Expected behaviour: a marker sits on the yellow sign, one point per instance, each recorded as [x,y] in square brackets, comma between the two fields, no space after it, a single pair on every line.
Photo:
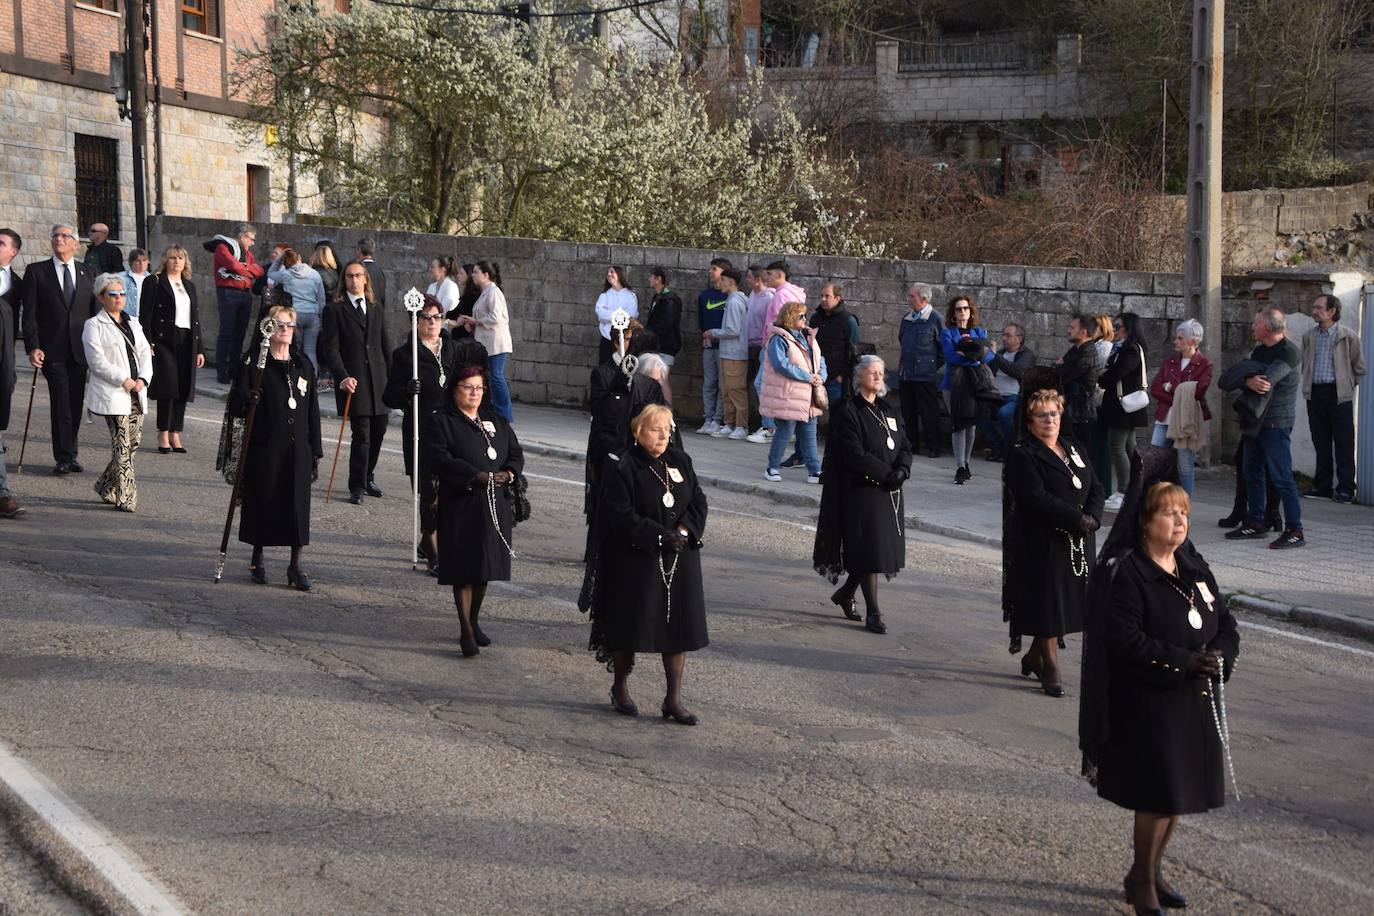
[270,135]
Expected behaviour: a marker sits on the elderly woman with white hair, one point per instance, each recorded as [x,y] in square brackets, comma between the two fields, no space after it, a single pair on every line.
[1180,391]
[120,364]
[860,531]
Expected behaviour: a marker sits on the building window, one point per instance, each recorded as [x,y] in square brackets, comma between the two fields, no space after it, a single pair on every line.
[343,6]
[200,16]
[97,182]
[111,5]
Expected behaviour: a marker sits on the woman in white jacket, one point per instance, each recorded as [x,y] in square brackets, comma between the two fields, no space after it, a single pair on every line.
[121,365]
[489,324]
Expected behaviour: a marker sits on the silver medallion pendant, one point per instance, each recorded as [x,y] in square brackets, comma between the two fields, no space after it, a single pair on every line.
[1073,453]
[291,402]
[890,443]
[491,452]
[1077,484]
[1195,619]
[443,380]
[669,502]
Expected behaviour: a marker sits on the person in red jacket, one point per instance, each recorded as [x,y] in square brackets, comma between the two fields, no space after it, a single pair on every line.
[235,271]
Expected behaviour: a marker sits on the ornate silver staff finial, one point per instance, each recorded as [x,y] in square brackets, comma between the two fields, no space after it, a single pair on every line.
[620,320]
[414,300]
[267,328]
[629,364]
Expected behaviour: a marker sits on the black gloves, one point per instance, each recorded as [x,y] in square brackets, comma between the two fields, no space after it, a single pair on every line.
[894,480]
[314,470]
[482,478]
[675,542]
[1207,663]
[1089,524]
[255,396]
[413,388]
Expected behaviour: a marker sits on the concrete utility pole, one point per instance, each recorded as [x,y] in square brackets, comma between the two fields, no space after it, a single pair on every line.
[1202,259]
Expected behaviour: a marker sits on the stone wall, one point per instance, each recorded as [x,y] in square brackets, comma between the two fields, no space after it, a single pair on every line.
[1257,223]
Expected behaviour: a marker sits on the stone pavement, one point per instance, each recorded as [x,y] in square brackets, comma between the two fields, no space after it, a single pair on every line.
[1328,584]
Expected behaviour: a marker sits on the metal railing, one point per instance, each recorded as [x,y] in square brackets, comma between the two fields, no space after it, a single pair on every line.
[1011,50]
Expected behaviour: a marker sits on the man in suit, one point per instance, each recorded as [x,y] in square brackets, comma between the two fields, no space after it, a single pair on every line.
[354,344]
[101,256]
[58,300]
[11,299]
[367,247]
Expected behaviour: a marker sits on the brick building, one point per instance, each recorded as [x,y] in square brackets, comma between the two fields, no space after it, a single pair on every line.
[64,152]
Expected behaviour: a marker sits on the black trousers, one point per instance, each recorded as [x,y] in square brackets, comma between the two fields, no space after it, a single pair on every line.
[66,400]
[366,448]
[171,416]
[921,402]
[1333,431]
[755,418]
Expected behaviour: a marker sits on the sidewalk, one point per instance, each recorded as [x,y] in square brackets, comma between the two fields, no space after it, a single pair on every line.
[1328,584]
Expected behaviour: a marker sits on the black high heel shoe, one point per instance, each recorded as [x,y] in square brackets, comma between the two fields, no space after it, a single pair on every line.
[297,579]
[164,450]
[1027,669]
[258,572]
[1231,521]
[847,605]
[1169,898]
[873,623]
[469,647]
[681,716]
[482,639]
[625,709]
[1139,910]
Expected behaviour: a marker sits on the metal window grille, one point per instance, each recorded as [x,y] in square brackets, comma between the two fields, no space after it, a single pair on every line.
[97,182]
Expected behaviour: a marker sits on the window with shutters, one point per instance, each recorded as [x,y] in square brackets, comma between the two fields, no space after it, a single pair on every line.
[97,182]
[200,16]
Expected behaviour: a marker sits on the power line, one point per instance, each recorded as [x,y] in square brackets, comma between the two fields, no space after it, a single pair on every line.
[529,13]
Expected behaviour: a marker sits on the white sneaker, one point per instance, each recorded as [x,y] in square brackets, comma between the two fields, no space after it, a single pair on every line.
[813,478]
[739,433]
[722,432]
[1113,502]
[761,435]
[708,428]
[772,475]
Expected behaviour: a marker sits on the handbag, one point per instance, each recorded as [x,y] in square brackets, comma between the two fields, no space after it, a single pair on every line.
[1136,400]
[819,398]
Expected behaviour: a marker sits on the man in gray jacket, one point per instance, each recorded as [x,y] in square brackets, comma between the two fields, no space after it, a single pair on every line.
[1332,366]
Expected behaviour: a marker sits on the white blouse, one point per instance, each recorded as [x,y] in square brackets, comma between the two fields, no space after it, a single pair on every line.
[183,298]
[446,291]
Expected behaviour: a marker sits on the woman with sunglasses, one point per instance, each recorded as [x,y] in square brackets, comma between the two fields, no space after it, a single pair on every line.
[1055,506]
[120,364]
[438,359]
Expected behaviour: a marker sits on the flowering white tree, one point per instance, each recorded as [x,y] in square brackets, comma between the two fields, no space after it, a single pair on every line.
[450,122]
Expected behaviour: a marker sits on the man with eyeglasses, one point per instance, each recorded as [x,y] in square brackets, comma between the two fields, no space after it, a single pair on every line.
[102,256]
[58,300]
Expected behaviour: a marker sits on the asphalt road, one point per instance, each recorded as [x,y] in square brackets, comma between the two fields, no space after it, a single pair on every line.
[264,751]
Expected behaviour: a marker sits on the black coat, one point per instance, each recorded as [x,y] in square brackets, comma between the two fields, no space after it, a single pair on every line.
[377,277]
[1125,368]
[105,258]
[629,604]
[48,324]
[8,376]
[1043,537]
[862,523]
[432,394]
[615,401]
[174,370]
[832,336]
[665,320]
[357,347]
[470,550]
[1162,752]
[282,452]
[1078,374]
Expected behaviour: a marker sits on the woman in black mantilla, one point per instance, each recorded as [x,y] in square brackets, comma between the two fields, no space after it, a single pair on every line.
[283,452]
[438,363]
[646,593]
[477,460]
[1055,507]
[1160,642]
[862,519]
[615,398]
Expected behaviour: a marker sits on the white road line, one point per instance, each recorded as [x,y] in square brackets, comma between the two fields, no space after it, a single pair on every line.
[86,837]
[812,528]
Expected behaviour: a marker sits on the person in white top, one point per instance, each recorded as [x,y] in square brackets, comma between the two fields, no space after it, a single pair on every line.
[121,365]
[617,295]
[490,327]
[444,288]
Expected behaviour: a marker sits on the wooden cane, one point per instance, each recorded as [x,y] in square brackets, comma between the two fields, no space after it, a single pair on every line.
[24,444]
[338,447]
[266,328]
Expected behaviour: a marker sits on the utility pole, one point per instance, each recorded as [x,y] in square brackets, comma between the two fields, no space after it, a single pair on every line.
[1202,258]
[137,69]
[158,209]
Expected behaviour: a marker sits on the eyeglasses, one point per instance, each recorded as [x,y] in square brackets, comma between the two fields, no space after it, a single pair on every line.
[114,292]
[472,388]
[63,235]
[1046,415]
[431,317]
[962,308]
[286,324]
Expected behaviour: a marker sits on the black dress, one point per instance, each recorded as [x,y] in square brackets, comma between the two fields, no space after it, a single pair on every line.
[434,374]
[615,401]
[1162,752]
[1047,555]
[861,528]
[470,549]
[280,463]
[629,605]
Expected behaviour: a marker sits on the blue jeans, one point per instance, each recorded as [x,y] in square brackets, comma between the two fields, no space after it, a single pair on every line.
[500,391]
[1270,451]
[712,398]
[996,429]
[1187,458]
[764,422]
[806,444]
[235,307]
[308,333]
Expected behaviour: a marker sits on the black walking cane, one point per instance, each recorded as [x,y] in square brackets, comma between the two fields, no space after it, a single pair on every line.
[266,328]
[29,416]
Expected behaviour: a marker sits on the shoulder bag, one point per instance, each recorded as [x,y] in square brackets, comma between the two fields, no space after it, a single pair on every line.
[1136,400]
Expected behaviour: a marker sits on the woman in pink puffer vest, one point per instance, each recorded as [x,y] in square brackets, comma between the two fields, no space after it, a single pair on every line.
[792,368]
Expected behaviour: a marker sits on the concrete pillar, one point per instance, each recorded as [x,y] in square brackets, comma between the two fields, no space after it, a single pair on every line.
[1202,257]
[886,58]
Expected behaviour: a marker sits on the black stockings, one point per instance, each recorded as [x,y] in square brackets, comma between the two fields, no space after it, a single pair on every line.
[868,582]
[1143,881]
[674,663]
[1043,659]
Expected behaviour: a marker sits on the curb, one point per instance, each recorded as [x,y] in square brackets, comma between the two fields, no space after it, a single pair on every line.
[1330,621]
